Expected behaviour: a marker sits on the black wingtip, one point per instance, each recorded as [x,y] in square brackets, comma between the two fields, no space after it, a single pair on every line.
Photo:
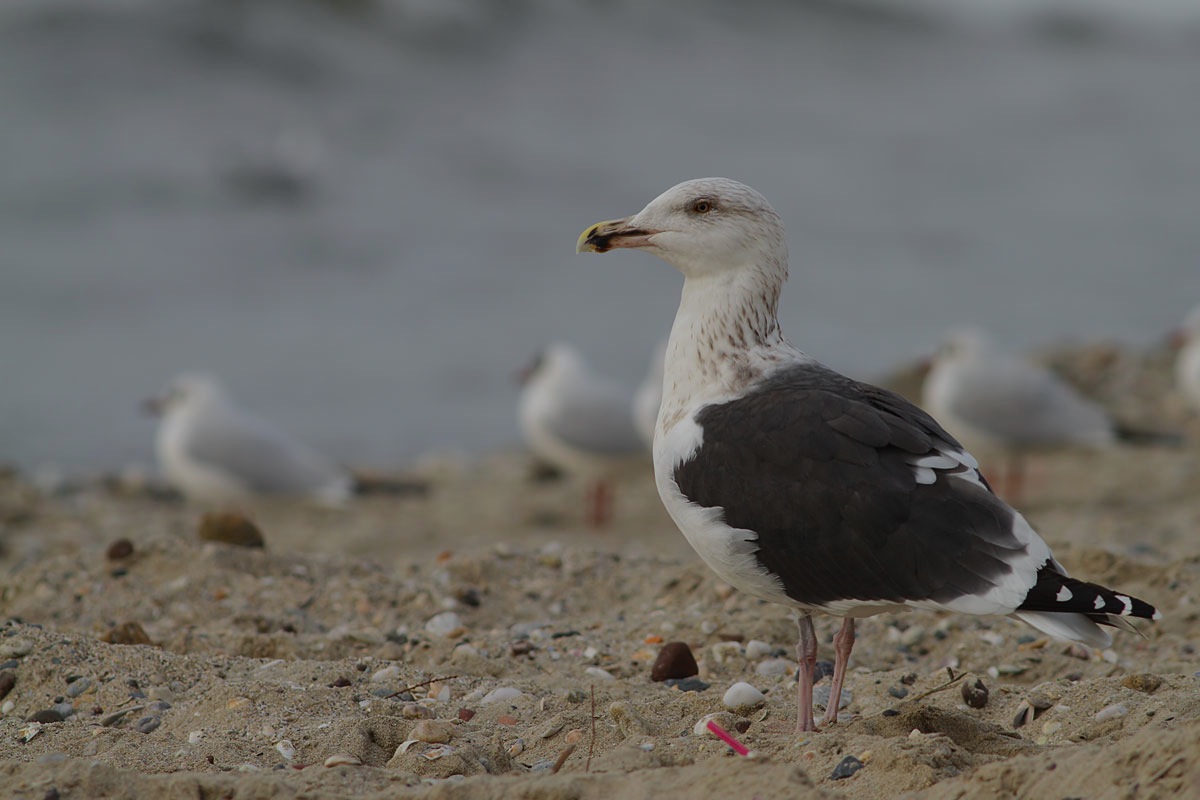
[1056,592]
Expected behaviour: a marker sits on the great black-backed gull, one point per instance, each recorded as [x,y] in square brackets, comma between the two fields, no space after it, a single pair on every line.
[804,487]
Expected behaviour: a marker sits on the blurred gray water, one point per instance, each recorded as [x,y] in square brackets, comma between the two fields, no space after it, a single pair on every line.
[363,216]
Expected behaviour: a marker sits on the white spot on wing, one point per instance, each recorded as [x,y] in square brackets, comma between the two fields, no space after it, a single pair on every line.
[1064,594]
[1099,604]
[1128,605]
[924,475]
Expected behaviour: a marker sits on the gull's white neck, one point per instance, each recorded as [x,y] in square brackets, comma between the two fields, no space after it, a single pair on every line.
[725,337]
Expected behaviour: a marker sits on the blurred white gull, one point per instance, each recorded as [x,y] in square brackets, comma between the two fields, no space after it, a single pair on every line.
[1187,361]
[213,451]
[579,422]
[993,401]
[648,396]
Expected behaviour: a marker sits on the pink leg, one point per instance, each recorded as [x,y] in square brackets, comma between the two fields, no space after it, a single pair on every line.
[601,504]
[806,655]
[843,643]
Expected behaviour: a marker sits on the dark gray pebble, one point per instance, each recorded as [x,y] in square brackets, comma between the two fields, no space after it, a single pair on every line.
[147,724]
[12,663]
[8,680]
[46,716]
[899,692]
[845,768]
[821,669]
[687,684]
[158,706]
[891,712]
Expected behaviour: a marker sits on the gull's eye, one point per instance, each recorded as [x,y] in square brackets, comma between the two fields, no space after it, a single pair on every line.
[703,205]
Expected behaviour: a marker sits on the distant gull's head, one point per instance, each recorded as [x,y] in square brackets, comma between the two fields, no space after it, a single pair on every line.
[555,361]
[959,344]
[703,227]
[190,390]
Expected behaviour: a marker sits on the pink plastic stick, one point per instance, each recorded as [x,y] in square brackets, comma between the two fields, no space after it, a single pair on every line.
[728,739]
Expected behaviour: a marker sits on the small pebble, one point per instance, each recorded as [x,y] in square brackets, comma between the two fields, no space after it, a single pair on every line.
[195,737]
[343,760]
[78,687]
[1115,711]
[416,711]
[46,716]
[466,714]
[774,666]
[446,625]
[147,724]
[675,660]
[431,731]
[386,674]
[899,692]
[340,682]
[15,647]
[686,684]
[8,679]
[600,674]
[121,548]
[286,749]
[574,736]
[845,768]
[975,694]
[230,527]
[756,649]
[506,719]
[550,728]
[516,748]
[742,697]
[576,696]
[722,718]
[1142,682]
[500,694]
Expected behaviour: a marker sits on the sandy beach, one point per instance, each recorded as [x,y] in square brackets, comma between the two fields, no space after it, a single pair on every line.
[471,638]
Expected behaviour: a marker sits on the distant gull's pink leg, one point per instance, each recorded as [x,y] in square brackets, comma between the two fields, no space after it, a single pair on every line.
[806,654]
[843,643]
[600,497]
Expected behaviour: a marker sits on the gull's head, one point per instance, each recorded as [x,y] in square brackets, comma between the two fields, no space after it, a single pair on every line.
[701,227]
[963,344]
[190,390]
[556,362]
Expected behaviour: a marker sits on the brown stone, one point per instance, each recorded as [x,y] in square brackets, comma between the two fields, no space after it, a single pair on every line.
[230,527]
[118,550]
[126,633]
[675,660]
